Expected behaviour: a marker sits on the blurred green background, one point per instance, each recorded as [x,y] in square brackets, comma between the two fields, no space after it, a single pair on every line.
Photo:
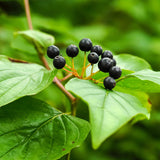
[122,26]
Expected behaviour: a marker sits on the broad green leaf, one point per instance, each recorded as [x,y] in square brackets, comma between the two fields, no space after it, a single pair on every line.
[145,80]
[19,79]
[40,39]
[130,62]
[101,75]
[32,130]
[109,110]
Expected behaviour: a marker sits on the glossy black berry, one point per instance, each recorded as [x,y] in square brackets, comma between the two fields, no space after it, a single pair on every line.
[93,57]
[72,50]
[85,44]
[114,62]
[97,49]
[59,62]
[109,83]
[107,54]
[105,64]
[52,51]
[115,72]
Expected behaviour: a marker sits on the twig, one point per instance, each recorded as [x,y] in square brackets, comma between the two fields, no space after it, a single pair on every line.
[44,61]
[17,60]
[67,70]
[84,65]
[28,15]
[66,77]
[42,58]
[72,63]
[59,84]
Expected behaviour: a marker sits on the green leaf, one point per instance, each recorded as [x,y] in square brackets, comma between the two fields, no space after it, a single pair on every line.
[126,62]
[32,130]
[130,62]
[19,79]
[145,80]
[109,110]
[102,75]
[39,39]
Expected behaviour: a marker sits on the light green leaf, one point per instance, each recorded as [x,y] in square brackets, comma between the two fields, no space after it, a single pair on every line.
[109,110]
[101,75]
[130,62]
[32,130]
[19,79]
[145,80]
[39,39]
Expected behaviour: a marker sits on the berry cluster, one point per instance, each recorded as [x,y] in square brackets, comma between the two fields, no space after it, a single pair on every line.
[106,64]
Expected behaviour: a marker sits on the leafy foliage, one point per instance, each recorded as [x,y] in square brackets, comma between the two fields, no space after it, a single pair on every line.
[19,79]
[109,110]
[31,129]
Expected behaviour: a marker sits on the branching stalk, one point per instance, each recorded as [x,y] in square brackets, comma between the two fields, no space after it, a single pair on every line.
[84,65]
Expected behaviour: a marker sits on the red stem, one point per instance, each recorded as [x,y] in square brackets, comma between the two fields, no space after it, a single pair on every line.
[42,58]
[28,15]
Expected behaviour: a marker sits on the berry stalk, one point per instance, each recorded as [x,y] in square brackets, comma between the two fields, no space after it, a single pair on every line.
[92,75]
[66,77]
[73,64]
[84,65]
[92,69]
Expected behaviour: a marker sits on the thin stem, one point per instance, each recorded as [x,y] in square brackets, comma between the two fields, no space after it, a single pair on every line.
[42,58]
[28,15]
[67,70]
[84,64]
[17,60]
[75,73]
[68,156]
[44,61]
[73,111]
[92,69]
[59,84]
[66,77]
[127,76]
[72,63]
[88,65]
[66,65]
[92,75]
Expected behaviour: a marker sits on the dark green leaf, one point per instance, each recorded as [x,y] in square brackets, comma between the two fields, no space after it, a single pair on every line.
[109,110]
[19,79]
[32,130]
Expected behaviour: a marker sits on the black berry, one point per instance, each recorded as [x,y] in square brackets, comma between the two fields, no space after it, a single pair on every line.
[109,83]
[107,54]
[93,57]
[59,62]
[97,49]
[105,64]
[52,51]
[85,44]
[115,72]
[114,62]
[72,51]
